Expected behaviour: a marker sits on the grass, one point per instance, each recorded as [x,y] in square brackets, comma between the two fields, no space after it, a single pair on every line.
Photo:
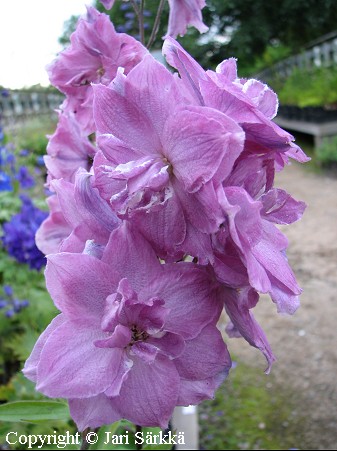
[31,133]
[249,412]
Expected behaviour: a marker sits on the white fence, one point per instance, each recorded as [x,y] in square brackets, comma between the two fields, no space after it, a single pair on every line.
[19,105]
[321,53]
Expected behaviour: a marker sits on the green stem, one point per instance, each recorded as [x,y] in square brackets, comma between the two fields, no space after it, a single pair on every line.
[85,444]
[140,14]
[141,22]
[156,24]
[135,7]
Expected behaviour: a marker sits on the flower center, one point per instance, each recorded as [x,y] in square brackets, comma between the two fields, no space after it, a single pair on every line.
[170,167]
[100,72]
[138,335]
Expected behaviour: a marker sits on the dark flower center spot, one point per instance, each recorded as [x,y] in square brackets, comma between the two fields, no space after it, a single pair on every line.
[138,335]
[100,72]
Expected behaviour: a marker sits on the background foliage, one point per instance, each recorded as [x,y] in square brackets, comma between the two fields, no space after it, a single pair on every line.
[256,32]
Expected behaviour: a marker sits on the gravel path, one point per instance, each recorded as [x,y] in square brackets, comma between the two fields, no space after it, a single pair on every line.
[306,344]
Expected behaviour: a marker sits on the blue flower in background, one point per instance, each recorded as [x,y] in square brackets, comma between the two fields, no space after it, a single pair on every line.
[40,161]
[25,179]
[2,135]
[10,161]
[7,160]
[9,170]
[124,7]
[120,29]
[130,15]
[19,235]
[130,20]
[9,304]
[129,25]
[5,182]
[8,290]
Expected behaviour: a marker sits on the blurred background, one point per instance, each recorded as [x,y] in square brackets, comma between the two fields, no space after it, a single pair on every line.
[292,46]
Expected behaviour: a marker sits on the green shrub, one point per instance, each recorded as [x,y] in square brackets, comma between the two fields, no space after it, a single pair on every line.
[327,152]
[272,54]
[35,142]
[316,87]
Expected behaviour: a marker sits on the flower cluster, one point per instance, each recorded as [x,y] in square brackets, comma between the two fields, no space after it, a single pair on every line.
[9,304]
[10,170]
[7,165]
[163,221]
[19,234]
[130,20]
[98,51]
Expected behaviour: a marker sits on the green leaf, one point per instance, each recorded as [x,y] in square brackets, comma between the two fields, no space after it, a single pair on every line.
[34,410]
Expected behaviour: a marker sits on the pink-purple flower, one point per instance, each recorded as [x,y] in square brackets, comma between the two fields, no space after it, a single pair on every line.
[108,4]
[68,149]
[184,13]
[135,337]
[158,222]
[94,55]
[160,156]
[77,214]
[248,102]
